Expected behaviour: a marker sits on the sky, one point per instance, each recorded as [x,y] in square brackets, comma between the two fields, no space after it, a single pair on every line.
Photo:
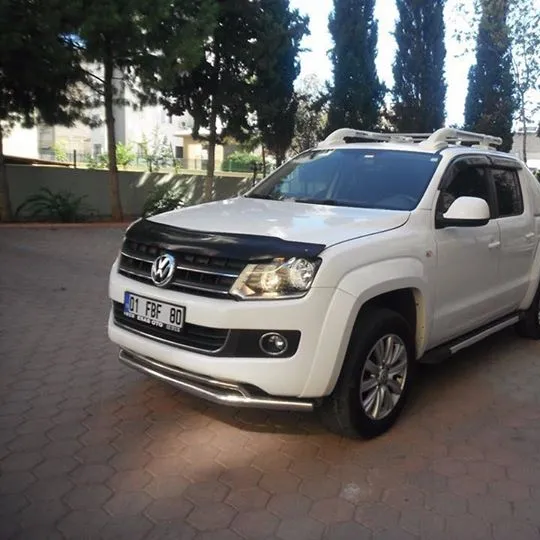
[316,61]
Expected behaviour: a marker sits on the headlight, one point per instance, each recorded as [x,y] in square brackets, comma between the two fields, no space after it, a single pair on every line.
[279,279]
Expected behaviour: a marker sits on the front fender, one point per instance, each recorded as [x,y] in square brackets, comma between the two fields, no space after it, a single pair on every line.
[368,282]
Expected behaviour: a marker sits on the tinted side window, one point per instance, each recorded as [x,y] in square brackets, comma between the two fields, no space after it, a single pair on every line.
[509,198]
[468,182]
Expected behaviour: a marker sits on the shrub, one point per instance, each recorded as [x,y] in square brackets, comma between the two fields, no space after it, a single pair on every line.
[62,206]
[163,198]
[241,162]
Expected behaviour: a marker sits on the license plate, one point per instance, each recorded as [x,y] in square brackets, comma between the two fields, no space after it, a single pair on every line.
[154,312]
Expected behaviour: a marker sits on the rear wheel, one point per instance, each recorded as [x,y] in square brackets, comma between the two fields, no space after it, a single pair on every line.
[529,325]
[375,379]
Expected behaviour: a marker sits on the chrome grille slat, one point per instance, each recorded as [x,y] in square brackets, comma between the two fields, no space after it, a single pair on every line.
[196,274]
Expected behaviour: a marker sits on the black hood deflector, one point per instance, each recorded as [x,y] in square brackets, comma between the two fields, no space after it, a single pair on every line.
[245,247]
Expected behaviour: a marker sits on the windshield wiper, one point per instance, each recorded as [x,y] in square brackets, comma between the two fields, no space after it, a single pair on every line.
[261,196]
[327,202]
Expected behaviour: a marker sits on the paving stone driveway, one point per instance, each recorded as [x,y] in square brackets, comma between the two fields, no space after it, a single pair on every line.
[91,449]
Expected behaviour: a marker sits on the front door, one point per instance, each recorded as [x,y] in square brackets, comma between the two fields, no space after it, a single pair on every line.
[467,260]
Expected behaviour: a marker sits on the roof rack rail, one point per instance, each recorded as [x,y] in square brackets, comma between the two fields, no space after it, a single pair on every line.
[445,136]
[442,138]
[345,135]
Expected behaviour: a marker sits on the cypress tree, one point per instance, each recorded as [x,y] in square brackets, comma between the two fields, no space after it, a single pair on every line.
[419,88]
[490,103]
[357,94]
[279,31]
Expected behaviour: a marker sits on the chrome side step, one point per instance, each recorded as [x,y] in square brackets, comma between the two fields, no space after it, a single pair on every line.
[216,391]
[443,352]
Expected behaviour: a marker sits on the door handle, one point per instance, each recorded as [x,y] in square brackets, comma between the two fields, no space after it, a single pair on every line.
[530,236]
[494,245]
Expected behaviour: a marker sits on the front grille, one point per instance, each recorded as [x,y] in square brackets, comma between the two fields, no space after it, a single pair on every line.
[193,336]
[195,274]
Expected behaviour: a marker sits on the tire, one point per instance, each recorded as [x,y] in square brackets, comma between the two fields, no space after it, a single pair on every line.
[529,325]
[345,412]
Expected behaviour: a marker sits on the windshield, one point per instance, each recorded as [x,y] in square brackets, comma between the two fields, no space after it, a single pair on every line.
[388,179]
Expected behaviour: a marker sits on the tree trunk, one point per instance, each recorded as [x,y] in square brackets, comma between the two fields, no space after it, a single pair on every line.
[5,201]
[211,165]
[114,184]
[264,160]
[523,115]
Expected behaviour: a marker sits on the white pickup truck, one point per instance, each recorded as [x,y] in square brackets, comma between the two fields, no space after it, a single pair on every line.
[324,285]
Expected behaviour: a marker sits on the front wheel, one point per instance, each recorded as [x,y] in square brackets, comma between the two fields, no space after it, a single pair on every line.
[375,379]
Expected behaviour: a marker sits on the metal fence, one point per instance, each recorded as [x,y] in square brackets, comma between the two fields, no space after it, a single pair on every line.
[99,161]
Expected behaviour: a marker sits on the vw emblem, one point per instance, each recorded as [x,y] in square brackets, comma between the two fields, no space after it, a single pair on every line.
[163,270]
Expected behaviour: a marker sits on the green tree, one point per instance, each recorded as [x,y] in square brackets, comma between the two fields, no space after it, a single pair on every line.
[156,152]
[524,25]
[419,87]
[137,43]
[125,154]
[491,103]
[357,94]
[220,86]
[279,31]
[38,73]
[311,115]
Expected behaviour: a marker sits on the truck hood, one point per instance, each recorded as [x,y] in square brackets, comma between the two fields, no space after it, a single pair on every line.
[291,221]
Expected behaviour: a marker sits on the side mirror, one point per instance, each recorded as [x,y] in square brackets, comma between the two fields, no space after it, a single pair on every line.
[465,212]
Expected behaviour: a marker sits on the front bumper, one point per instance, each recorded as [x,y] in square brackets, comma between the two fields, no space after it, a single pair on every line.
[222,392]
[323,317]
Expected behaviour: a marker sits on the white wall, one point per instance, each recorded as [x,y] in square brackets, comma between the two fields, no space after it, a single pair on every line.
[22,142]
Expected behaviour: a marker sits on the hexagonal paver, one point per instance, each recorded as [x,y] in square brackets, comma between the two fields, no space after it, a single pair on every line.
[289,505]
[167,486]
[88,497]
[169,509]
[15,482]
[59,466]
[22,461]
[489,508]
[404,497]
[332,510]
[92,474]
[223,534]
[423,523]
[210,517]
[346,531]
[377,516]
[241,478]
[309,468]
[470,527]
[248,499]
[466,485]
[447,504]
[128,504]
[89,521]
[130,480]
[509,490]
[300,528]
[135,528]
[511,529]
[256,524]
[279,482]
[206,492]
[320,487]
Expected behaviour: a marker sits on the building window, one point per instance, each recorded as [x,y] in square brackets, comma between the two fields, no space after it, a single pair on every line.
[179,152]
[98,149]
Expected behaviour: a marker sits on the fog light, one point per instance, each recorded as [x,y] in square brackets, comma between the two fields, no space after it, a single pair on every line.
[273,344]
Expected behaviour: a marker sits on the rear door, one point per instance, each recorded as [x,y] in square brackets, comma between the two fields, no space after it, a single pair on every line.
[517,232]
